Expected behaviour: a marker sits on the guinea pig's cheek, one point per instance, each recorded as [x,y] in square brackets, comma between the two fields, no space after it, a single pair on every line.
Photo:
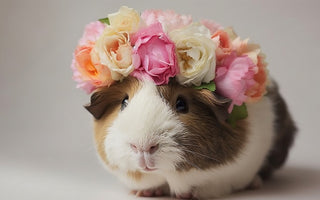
[118,152]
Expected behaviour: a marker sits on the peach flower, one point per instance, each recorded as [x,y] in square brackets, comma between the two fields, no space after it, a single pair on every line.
[88,64]
[88,72]
[85,85]
[211,25]
[224,45]
[243,47]
[261,78]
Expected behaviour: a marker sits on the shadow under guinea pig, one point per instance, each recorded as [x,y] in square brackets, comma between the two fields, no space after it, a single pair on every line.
[292,182]
[289,182]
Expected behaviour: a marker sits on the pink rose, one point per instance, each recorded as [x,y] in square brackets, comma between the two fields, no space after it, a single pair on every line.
[234,77]
[154,55]
[168,19]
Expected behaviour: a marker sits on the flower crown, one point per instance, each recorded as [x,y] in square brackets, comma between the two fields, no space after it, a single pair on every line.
[160,45]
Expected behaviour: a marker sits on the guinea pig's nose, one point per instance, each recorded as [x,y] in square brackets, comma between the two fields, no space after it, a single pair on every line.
[144,149]
[153,148]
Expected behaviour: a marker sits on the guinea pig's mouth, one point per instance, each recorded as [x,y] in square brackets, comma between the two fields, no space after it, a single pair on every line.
[147,169]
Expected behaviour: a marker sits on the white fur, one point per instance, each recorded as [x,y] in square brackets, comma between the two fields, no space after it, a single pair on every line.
[147,118]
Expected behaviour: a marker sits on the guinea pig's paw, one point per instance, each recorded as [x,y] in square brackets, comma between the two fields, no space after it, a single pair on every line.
[188,195]
[256,183]
[153,192]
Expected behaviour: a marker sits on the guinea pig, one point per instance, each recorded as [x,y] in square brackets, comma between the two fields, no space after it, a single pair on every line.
[174,140]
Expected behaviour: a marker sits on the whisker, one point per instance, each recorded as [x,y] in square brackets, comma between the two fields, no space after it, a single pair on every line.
[193,165]
[89,148]
[191,145]
[200,154]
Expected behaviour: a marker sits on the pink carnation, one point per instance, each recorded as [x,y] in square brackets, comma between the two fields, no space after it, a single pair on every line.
[234,77]
[168,19]
[92,32]
[154,55]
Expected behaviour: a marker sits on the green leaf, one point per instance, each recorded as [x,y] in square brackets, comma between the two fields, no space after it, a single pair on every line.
[209,86]
[238,113]
[105,20]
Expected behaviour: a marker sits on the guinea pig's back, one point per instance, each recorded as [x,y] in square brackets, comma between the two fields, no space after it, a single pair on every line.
[254,156]
[284,132]
[271,132]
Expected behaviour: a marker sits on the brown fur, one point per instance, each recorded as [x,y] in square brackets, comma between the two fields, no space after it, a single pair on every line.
[136,175]
[100,127]
[285,131]
[209,140]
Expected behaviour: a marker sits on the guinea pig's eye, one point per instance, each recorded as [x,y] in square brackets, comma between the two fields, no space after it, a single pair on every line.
[124,103]
[181,105]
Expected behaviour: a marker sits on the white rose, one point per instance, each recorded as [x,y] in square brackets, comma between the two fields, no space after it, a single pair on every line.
[115,52]
[196,54]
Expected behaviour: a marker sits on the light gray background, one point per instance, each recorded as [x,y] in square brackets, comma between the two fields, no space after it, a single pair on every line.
[46,143]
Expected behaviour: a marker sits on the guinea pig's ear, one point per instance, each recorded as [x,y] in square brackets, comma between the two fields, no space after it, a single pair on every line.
[107,98]
[217,103]
[98,104]
[104,99]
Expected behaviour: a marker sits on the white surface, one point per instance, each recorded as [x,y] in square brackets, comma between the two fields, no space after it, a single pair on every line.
[46,145]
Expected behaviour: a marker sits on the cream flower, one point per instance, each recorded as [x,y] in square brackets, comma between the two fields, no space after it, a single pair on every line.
[196,54]
[114,50]
[126,19]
